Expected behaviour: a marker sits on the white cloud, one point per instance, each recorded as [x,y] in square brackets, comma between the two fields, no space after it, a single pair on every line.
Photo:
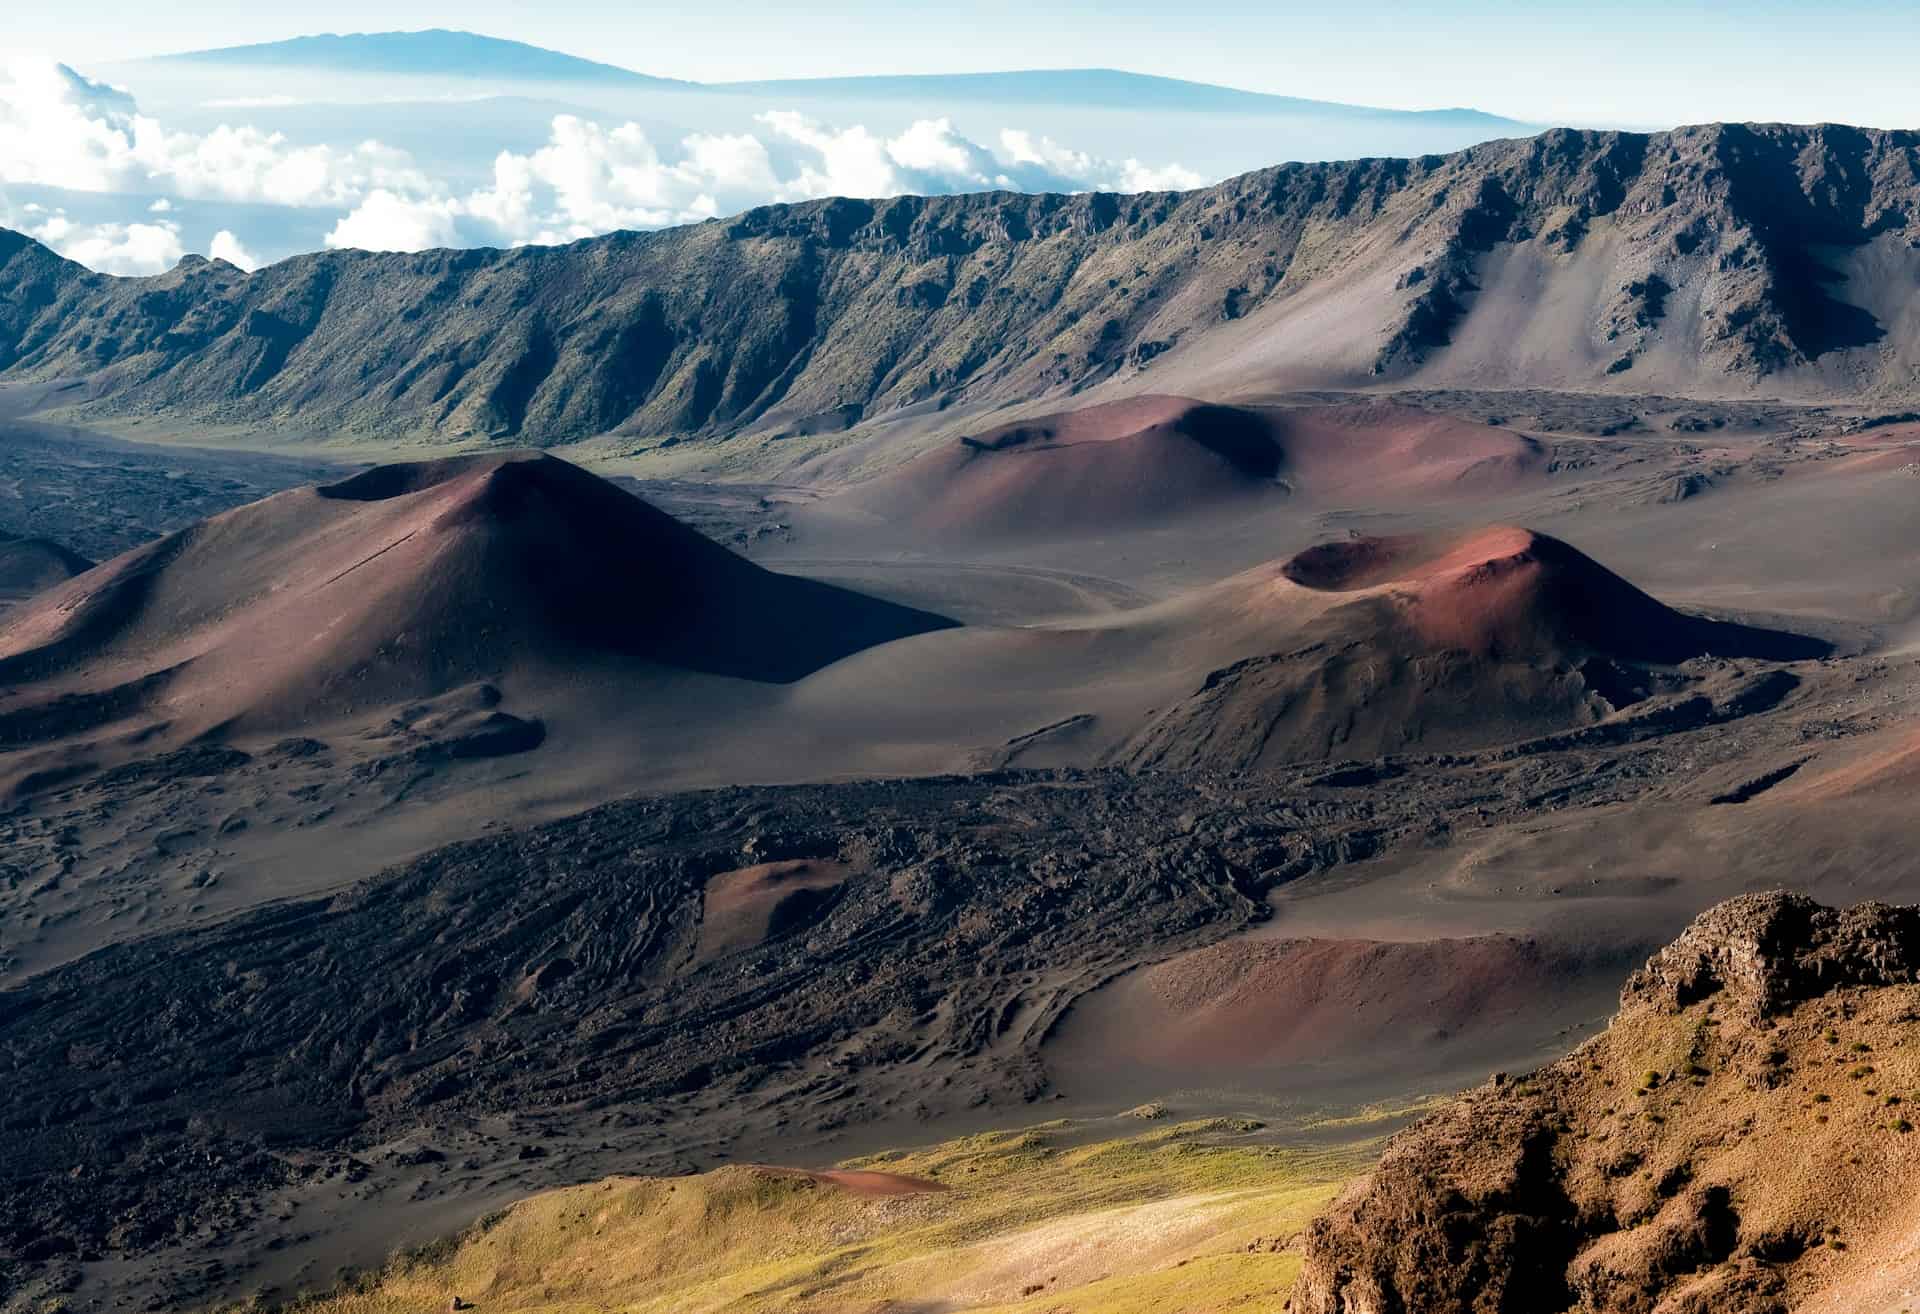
[229,248]
[62,130]
[1077,167]
[588,179]
[246,164]
[603,180]
[852,161]
[508,205]
[1024,148]
[386,221]
[735,163]
[929,158]
[59,129]
[932,158]
[113,248]
[256,102]
[931,146]
[119,248]
[1138,177]
[129,249]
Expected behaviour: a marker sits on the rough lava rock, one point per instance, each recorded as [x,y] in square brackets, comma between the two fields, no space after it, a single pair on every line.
[1644,1172]
[1768,951]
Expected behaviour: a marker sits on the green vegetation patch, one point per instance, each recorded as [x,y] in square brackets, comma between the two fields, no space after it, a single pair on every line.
[1189,1217]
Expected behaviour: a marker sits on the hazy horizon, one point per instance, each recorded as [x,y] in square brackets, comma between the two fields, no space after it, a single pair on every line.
[1637,62]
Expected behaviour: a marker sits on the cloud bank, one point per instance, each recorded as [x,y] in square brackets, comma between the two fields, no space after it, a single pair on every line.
[110,248]
[589,179]
[59,129]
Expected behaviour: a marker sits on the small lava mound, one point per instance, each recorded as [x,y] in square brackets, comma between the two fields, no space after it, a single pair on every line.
[745,908]
[1645,1170]
[1386,452]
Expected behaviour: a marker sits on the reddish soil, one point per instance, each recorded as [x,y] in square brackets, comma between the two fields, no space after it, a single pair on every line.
[747,907]
[1902,457]
[1883,764]
[1446,643]
[1254,1003]
[878,1184]
[872,1185]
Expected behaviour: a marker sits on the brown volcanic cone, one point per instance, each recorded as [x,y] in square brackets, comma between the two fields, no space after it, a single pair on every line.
[1738,1141]
[1114,466]
[1512,591]
[1441,642]
[410,580]
[1150,459]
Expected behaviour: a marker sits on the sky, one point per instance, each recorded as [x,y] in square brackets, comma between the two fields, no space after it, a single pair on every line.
[1630,63]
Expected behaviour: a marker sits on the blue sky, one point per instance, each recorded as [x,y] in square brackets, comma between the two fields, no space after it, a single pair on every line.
[1631,63]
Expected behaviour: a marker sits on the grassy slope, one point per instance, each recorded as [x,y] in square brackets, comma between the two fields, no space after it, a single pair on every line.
[1188,1218]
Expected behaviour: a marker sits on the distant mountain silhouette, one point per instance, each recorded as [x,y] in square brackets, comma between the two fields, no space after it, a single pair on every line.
[1105,87]
[436,52]
[440,52]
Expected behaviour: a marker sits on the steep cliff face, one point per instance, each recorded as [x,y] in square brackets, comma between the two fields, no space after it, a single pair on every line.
[1711,259]
[1738,1140]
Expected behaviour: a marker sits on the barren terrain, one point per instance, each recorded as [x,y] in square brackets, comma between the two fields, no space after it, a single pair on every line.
[1255,654]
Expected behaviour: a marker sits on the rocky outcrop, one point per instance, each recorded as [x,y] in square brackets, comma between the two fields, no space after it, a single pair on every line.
[1650,1170]
[1718,254]
[1766,953]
